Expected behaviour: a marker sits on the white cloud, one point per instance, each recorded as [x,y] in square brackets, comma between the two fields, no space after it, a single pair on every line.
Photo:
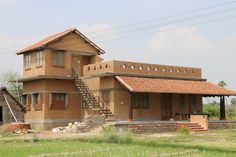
[185,41]
[190,47]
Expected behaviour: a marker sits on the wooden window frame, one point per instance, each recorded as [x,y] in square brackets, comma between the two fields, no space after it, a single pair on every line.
[28,102]
[39,59]
[35,99]
[27,61]
[58,101]
[140,100]
[58,56]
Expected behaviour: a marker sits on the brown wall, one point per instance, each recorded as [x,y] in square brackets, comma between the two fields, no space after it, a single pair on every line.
[77,51]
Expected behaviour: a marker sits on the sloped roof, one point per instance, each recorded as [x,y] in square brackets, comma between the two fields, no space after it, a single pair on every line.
[5,91]
[155,85]
[43,43]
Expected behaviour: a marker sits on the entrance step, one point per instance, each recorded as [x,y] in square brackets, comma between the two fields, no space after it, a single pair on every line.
[193,127]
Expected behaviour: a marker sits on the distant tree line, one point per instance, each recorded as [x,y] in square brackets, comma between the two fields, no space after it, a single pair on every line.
[213,109]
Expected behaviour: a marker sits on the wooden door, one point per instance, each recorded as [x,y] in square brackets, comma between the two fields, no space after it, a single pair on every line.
[166,107]
[75,63]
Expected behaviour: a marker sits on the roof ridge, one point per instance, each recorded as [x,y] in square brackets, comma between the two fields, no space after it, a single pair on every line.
[42,43]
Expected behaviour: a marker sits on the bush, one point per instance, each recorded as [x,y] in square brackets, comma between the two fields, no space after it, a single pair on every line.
[212,109]
[111,135]
[35,138]
[184,131]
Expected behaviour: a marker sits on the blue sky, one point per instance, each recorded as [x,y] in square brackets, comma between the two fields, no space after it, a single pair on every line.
[210,46]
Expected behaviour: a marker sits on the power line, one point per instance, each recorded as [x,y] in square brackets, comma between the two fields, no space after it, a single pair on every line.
[173,28]
[150,26]
[165,17]
[180,20]
[149,21]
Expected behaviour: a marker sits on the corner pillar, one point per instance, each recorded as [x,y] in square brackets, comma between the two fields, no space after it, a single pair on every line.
[130,108]
[222,108]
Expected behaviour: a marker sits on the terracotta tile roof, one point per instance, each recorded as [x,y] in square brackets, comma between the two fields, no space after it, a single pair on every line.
[43,43]
[155,85]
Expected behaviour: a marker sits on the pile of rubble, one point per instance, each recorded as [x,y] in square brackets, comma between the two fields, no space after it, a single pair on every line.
[89,123]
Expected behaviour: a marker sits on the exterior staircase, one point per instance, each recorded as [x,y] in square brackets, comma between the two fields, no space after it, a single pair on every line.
[193,127]
[90,101]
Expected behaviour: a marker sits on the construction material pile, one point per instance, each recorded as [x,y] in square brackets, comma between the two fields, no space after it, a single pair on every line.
[89,123]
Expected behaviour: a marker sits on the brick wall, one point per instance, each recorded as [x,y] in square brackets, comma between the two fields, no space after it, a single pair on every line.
[222,124]
[147,127]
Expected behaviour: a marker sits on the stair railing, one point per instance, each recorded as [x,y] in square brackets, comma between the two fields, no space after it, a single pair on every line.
[102,105]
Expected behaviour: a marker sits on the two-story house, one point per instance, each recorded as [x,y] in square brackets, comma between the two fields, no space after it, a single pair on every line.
[64,80]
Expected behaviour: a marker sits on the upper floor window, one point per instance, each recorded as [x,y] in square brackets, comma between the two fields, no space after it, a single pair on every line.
[27,61]
[39,58]
[58,58]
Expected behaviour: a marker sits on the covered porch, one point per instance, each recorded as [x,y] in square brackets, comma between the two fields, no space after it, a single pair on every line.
[178,99]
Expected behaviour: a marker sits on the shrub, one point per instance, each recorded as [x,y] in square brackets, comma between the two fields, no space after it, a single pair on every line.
[35,138]
[184,131]
[112,135]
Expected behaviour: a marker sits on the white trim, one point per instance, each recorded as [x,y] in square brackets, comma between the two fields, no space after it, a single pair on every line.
[124,83]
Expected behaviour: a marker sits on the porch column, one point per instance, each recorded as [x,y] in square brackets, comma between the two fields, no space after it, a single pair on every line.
[130,108]
[222,108]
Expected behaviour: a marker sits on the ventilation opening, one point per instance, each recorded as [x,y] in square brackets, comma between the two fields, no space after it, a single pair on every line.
[1,119]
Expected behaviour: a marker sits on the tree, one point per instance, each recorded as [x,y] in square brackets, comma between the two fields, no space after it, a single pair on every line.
[9,79]
[222,84]
[233,101]
[212,109]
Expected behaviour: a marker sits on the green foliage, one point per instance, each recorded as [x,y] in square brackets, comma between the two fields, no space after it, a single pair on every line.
[212,109]
[111,135]
[35,138]
[231,110]
[222,83]
[8,79]
[184,131]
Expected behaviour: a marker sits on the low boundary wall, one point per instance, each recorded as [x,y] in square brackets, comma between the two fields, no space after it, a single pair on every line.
[222,124]
[147,127]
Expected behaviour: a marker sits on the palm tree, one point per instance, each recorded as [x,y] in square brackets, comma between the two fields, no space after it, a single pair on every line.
[222,84]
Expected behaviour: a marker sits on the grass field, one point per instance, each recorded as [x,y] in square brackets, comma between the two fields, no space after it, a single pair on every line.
[221,143]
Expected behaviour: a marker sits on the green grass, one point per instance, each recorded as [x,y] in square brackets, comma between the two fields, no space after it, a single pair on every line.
[219,143]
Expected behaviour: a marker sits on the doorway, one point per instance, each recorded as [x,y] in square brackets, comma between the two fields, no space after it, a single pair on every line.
[166,106]
[1,115]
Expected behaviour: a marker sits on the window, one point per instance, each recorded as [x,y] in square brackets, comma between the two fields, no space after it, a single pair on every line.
[58,58]
[24,99]
[181,103]
[35,99]
[140,100]
[39,58]
[58,101]
[27,61]
[28,102]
